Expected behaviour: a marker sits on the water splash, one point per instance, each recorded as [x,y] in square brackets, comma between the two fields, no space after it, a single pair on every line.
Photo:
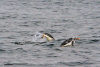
[38,37]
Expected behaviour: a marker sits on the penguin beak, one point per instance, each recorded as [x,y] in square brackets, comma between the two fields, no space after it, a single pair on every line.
[77,38]
[43,36]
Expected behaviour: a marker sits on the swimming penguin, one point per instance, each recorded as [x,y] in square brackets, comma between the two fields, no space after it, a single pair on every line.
[48,36]
[69,42]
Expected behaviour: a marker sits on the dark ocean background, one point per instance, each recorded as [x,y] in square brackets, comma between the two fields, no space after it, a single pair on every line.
[21,19]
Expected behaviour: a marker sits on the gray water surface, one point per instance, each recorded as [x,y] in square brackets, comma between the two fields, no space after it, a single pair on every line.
[20,19]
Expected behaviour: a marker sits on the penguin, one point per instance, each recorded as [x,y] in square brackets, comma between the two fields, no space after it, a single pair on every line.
[69,42]
[48,36]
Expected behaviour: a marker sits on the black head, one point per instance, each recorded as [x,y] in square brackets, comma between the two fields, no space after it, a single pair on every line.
[49,35]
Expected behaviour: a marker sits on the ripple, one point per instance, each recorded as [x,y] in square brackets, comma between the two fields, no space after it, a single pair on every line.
[59,3]
[57,49]
[50,45]
[52,55]
[61,39]
[88,52]
[20,50]
[94,41]
[24,25]
[96,36]
[15,64]
[2,50]
[18,43]
[76,63]
[28,65]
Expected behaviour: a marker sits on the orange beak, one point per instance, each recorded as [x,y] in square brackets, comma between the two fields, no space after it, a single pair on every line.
[43,36]
[77,38]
